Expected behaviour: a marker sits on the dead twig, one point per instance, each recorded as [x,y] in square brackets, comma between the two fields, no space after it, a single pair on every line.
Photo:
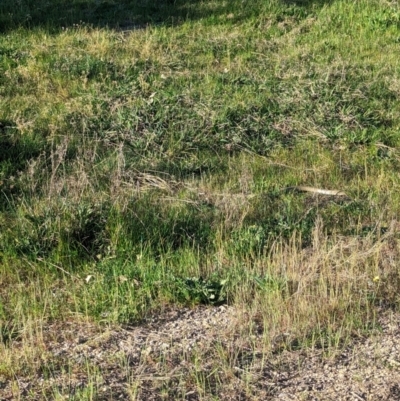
[320,191]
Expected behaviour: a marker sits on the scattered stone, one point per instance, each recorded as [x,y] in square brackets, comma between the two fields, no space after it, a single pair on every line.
[201,354]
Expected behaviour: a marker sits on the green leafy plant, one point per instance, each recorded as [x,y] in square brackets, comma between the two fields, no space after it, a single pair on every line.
[205,291]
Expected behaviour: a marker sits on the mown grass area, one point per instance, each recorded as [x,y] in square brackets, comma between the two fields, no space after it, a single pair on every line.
[150,154]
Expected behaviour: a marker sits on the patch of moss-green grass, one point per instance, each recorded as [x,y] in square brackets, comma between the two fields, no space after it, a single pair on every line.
[155,155]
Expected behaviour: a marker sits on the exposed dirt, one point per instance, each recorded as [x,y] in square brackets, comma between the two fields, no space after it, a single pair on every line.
[197,354]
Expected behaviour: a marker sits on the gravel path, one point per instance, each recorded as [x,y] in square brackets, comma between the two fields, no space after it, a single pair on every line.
[198,354]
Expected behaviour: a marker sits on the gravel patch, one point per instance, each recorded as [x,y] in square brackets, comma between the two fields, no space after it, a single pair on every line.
[194,354]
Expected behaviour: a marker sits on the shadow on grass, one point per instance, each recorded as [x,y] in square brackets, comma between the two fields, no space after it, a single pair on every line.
[15,153]
[131,14]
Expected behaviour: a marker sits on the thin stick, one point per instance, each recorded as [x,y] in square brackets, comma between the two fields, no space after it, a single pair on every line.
[318,190]
[57,267]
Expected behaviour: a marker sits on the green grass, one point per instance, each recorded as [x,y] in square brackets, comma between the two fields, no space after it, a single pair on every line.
[148,150]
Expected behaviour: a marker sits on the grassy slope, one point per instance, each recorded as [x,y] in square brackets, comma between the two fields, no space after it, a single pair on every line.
[151,167]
